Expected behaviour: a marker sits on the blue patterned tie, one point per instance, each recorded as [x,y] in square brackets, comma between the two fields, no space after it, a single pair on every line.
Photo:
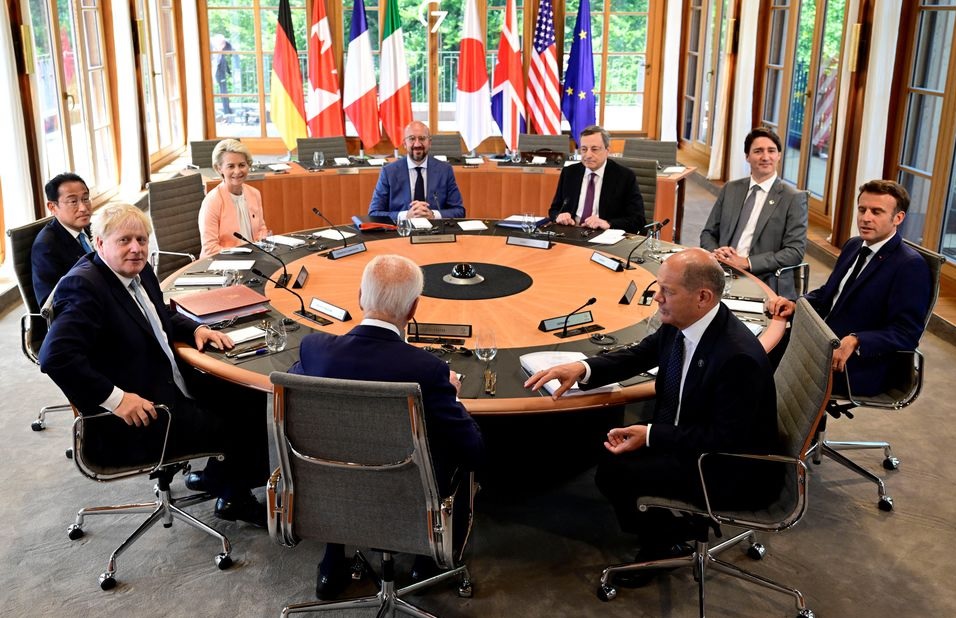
[144,304]
[670,391]
[84,242]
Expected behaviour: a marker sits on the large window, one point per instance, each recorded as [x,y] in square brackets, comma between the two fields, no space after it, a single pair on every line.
[161,94]
[703,59]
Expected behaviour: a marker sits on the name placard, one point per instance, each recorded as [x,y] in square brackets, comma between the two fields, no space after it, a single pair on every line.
[433,238]
[342,252]
[534,243]
[329,309]
[607,262]
[440,330]
[628,294]
[574,319]
[301,278]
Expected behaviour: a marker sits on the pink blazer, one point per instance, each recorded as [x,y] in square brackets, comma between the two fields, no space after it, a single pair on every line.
[218,220]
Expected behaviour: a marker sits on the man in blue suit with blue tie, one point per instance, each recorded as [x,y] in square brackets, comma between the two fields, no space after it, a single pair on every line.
[65,239]
[878,294]
[376,350]
[418,185]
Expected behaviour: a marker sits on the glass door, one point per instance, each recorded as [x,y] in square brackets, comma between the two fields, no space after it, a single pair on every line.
[161,83]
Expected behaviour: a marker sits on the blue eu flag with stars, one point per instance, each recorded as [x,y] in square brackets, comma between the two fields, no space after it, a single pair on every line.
[577,98]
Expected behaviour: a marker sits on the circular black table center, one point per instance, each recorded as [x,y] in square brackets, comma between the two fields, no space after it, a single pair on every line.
[499,281]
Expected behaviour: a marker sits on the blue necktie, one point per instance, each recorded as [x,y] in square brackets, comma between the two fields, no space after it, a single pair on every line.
[85,243]
[145,304]
[669,393]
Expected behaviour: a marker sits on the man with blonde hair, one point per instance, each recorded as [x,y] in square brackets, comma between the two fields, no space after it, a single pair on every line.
[375,350]
[110,348]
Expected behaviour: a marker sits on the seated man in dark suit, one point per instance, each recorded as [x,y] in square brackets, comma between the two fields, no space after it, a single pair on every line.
[877,297]
[703,352]
[65,239]
[760,223]
[418,185]
[109,349]
[606,197]
[375,350]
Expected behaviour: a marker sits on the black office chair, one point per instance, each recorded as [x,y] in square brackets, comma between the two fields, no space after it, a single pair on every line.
[554,148]
[355,468]
[665,153]
[905,386]
[331,147]
[33,324]
[803,382]
[646,172]
[163,509]
[447,145]
[200,152]
[174,209]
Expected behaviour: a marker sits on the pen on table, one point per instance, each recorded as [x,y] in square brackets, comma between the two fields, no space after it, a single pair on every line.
[256,352]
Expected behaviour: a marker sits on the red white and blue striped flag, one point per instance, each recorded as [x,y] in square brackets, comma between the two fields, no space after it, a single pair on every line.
[544,97]
[507,93]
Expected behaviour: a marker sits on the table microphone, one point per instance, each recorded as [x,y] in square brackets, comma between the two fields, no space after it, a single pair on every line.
[564,331]
[647,295]
[656,226]
[308,315]
[640,258]
[345,243]
[284,279]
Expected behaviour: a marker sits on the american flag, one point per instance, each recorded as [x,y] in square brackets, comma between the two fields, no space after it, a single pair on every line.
[543,95]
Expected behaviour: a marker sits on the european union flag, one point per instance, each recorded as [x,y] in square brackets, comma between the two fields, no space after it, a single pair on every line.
[577,99]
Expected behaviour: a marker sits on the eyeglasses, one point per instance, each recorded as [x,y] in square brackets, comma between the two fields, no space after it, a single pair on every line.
[592,149]
[74,202]
[417,139]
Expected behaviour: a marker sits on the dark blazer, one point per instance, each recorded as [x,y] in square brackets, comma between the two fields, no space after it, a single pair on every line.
[885,308]
[99,338]
[716,412]
[55,251]
[621,203]
[393,193]
[374,353]
[780,238]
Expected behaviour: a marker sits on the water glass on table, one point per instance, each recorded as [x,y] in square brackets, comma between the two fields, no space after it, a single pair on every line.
[318,158]
[276,336]
[529,223]
[404,226]
[266,243]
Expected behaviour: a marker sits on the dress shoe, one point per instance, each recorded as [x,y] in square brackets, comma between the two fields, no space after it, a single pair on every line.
[638,579]
[195,481]
[243,508]
[424,568]
[329,587]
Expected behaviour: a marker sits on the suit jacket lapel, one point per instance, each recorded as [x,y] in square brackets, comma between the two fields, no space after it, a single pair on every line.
[871,268]
[698,362]
[773,197]
[123,297]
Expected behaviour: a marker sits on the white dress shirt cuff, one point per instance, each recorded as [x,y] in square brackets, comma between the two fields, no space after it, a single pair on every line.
[587,373]
[437,214]
[647,436]
[112,402]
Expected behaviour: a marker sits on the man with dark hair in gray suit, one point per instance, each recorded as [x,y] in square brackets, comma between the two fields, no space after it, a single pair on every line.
[760,223]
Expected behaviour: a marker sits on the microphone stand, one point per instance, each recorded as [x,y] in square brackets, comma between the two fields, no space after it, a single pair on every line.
[345,242]
[564,331]
[284,279]
[647,295]
[302,312]
[639,259]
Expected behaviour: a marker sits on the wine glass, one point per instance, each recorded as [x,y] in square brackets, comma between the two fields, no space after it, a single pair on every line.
[318,158]
[276,336]
[529,223]
[485,346]
[404,226]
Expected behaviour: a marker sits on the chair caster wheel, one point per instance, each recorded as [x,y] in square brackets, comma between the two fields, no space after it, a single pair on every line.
[37,425]
[74,532]
[107,582]
[757,551]
[606,593]
[806,613]
[68,453]
[891,463]
[885,503]
[466,589]
[223,561]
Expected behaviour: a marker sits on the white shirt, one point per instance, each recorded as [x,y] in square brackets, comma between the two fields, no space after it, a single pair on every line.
[242,215]
[747,236]
[382,324]
[598,183]
[412,179]
[874,249]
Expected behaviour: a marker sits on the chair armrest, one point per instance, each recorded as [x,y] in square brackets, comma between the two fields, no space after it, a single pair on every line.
[800,480]
[886,401]
[26,326]
[89,472]
[276,517]
[804,275]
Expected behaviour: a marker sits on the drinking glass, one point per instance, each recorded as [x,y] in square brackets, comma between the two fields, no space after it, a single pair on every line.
[653,323]
[318,158]
[404,226]
[516,156]
[485,345]
[529,223]
[266,243]
[230,276]
[728,281]
[276,336]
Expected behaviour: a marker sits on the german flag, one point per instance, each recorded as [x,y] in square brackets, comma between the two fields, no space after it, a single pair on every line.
[288,101]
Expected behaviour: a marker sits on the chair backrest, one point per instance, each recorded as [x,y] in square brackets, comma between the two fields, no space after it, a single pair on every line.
[447,144]
[935,263]
[331,147]
[646,172]
[33,327]
[356,467]
[174,208]
[528,142]
[664,152]
[200,152]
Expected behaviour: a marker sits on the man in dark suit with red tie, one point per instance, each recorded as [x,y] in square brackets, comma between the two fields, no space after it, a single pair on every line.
[110,349]
[703,352]
[65,239]
[877,297]
[598,193]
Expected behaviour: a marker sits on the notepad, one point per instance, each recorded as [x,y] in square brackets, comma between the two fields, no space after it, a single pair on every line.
[242,335]
[534,362]
[231,264]
[288,241]
[332,234]
[744,306]
[608,237]
[472,226]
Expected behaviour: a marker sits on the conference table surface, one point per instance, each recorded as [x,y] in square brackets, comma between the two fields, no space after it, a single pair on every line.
[562,278]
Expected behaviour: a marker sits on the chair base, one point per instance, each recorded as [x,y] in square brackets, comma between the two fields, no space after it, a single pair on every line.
[40,423]
[703,557]
[831,449]
[164,509]
[388,600]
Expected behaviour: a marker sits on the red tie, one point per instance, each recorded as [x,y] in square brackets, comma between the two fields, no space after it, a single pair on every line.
[589,199]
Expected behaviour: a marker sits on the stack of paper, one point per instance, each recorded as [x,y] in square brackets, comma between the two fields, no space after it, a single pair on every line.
[534,362]
[288,241]
[608,237]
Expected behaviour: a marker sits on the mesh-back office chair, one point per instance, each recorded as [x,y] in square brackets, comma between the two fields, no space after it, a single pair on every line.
[665,153]
[200,152]
[646,172]
[355,468]
[331,147]
[801,277]
[448,145]
[33,324]
[174,209]
[803,382]
[907,382]
[530,143]
[163,509]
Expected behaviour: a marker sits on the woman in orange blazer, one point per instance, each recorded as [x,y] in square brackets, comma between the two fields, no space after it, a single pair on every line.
[232,206]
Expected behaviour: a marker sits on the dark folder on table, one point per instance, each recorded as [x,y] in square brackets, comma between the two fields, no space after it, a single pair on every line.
[217,304]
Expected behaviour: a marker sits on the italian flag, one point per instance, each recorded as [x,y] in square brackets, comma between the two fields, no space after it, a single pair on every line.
[395,93]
